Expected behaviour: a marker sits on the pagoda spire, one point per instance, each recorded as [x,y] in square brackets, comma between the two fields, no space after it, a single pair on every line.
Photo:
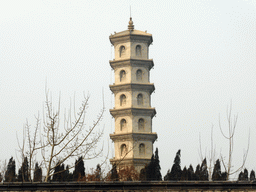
[131,26]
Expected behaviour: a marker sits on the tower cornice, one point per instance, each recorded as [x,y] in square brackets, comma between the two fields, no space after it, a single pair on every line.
[136,137]
[148,63]
[131,161]
[134,86]
[133,111]
[131,35]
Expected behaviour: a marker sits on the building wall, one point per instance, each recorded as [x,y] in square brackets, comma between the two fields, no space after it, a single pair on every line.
[191,186]
[130,50]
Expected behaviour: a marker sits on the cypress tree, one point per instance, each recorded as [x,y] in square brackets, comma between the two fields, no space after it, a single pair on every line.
[23,173]
[98,172]
[175,173]
[114,175]
[224,176]
[67,176]
[58,172]
[241,176]
[216,175]
[191,174]
[150,171]
[157,168]
[10,175]
[184,174]
[143,172]
[203,171]
[252,175]
[79,169]
[197,172]
[246,174]
[37,173]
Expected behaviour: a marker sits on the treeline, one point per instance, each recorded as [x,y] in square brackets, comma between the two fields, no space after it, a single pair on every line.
[61,172]
[201,172]
[151,172]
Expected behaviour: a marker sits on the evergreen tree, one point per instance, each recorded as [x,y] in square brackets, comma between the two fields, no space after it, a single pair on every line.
[191,174]
[23,173]
[241,176]
[217,175]
[79,169]
[203,171]
[150,171]
[157,168]
[246,174]
[143,172]
[252,175]
[197,173]
[184,174]
[10,175]
[175,173]
[98,173]
[114,175]
[37,173]
[224,176]
[67,176]
[58,172]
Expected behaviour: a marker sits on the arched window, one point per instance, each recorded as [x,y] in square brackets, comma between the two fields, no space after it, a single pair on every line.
[122,125]
[122,51]
[138,50]
[122,100]
[122,75]
[123,149]
[141,124]
[139,75]
[141,149]
[140,99]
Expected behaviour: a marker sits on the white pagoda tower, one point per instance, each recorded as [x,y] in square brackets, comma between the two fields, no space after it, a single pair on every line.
[133,137]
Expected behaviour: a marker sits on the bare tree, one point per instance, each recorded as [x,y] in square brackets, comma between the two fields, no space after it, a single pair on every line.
[232,122]
[30,145]
[3,168]
[61,141]
[210,157]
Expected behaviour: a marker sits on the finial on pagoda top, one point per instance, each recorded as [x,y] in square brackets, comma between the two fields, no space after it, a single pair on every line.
[131,26]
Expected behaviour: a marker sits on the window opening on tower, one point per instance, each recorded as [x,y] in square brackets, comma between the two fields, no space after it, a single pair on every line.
[139,75]
[123,125]
[140,99]
[122,51]
[141,124]
[122,75]
[138,50]
[122,100]
[141,149]
[123,149]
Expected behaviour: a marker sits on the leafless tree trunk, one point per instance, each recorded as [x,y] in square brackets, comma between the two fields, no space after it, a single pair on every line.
[211,156]
[232,122]
[3,168]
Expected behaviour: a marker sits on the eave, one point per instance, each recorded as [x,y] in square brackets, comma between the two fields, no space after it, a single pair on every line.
[148,63]
[133,111]
[134,137]
[132,86]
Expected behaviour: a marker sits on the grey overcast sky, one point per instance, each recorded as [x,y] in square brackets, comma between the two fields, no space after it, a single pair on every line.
[204,56]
